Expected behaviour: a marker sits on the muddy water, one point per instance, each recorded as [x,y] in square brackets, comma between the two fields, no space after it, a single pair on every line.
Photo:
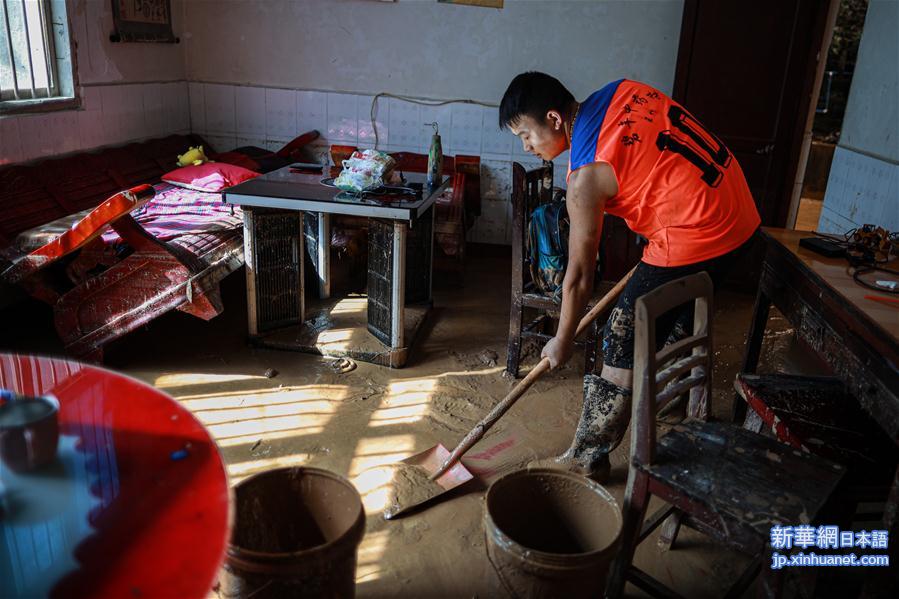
[372,416]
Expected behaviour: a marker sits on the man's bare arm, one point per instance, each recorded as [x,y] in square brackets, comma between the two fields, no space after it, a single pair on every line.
[588,190]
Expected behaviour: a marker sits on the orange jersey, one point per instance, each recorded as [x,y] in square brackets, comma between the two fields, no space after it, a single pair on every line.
[678,185]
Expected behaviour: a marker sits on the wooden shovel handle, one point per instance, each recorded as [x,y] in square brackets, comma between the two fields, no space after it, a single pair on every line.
[509,400]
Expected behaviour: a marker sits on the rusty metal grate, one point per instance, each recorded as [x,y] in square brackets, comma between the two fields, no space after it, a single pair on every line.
[278,268]
[380,271]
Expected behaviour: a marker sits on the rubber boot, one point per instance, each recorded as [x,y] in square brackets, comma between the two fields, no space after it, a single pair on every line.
[604,419]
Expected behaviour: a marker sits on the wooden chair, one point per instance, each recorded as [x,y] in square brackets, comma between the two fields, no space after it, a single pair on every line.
[817,414]
[725,481]
[529,190]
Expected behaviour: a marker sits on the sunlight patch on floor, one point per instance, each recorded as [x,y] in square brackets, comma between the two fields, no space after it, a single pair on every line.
[377,451]
[369,564]
[257,414]
[168,382]
[404,402]
[270,396]
[350,305]
[239,472]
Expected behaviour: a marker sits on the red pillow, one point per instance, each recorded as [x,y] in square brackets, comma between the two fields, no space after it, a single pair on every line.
[209,176]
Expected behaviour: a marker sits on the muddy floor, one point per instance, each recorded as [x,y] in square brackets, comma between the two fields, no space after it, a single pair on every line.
[312,413]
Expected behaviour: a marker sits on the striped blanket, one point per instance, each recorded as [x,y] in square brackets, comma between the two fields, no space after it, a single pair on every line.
[176,211]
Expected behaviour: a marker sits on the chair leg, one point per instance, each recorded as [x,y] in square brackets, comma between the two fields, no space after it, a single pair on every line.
[753,421]
[770,584]
[753,348]
[670,528]
[206,305]
[636,499]
[514,351]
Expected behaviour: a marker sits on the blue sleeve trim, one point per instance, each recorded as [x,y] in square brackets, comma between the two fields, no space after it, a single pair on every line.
[585,136]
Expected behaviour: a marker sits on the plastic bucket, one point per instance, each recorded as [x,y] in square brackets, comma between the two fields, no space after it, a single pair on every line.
[551,533]
[296,534]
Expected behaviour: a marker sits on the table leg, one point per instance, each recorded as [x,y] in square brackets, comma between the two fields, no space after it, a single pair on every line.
[301,262]
[398,286]
[324,255]
[433,210]
[249,235]
[753,346]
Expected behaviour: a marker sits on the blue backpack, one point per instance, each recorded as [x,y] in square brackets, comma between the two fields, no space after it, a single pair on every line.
[548,247]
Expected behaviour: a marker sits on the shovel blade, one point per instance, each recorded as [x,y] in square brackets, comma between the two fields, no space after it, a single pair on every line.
[431,460]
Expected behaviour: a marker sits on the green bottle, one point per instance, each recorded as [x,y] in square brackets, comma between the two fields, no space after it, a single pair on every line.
[435,158]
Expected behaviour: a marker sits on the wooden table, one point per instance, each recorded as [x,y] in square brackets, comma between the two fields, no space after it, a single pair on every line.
[283,211]
[136,503]
[857,337]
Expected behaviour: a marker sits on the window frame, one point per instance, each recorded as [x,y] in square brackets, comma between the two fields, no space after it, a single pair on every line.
[61,100]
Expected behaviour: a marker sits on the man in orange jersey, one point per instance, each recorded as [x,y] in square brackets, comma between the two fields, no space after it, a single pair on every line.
[636,154]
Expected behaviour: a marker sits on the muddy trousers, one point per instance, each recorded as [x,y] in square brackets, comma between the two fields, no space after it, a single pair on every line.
[607,407]
[604,419]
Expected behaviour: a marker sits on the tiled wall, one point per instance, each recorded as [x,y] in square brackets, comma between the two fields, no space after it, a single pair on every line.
[230,116]
[861,190]
[110,115]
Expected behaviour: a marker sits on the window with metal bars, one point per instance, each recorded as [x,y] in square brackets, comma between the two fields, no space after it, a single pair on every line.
[30,67]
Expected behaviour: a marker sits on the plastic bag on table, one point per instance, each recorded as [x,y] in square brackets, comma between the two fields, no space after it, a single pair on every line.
[365,170]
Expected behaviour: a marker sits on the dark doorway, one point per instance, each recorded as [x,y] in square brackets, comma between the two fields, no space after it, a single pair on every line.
[747,71]
[831,107]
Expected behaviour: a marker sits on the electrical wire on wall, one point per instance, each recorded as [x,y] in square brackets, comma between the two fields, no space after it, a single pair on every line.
[414,100]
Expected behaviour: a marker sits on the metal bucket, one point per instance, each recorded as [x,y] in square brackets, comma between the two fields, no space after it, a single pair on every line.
[296,534]
[550,534]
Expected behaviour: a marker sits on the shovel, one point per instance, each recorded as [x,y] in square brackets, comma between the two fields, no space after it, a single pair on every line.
[431,460]
[445,467]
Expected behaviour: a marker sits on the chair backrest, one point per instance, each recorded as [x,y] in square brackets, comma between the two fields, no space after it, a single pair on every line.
[529,190]
[654,370]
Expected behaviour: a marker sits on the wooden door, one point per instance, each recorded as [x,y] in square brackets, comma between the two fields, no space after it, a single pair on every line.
[746,70]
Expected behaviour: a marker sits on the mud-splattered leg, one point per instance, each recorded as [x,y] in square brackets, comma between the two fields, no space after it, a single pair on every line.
[606,414]
[604,419]
[606,409]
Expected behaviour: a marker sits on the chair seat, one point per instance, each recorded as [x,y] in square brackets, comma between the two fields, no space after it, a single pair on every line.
[753,481]
[817,414]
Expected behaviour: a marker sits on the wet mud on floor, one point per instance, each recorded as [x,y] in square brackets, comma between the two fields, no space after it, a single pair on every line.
[310,413]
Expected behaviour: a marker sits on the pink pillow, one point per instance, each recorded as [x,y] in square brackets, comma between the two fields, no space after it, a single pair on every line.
[209,176]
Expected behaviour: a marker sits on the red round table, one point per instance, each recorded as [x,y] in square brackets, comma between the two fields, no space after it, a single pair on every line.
[136,503]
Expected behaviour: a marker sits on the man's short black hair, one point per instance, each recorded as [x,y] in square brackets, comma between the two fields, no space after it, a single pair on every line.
[533,94]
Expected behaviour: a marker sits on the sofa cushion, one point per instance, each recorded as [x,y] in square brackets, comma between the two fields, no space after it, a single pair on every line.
[210,176]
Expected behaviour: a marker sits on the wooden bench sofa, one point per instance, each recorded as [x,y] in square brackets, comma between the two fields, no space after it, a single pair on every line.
[86,233]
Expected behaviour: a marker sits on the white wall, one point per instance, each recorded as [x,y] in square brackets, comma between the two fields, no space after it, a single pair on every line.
[863,186]
[263,71]
[128,91]
[429,49]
